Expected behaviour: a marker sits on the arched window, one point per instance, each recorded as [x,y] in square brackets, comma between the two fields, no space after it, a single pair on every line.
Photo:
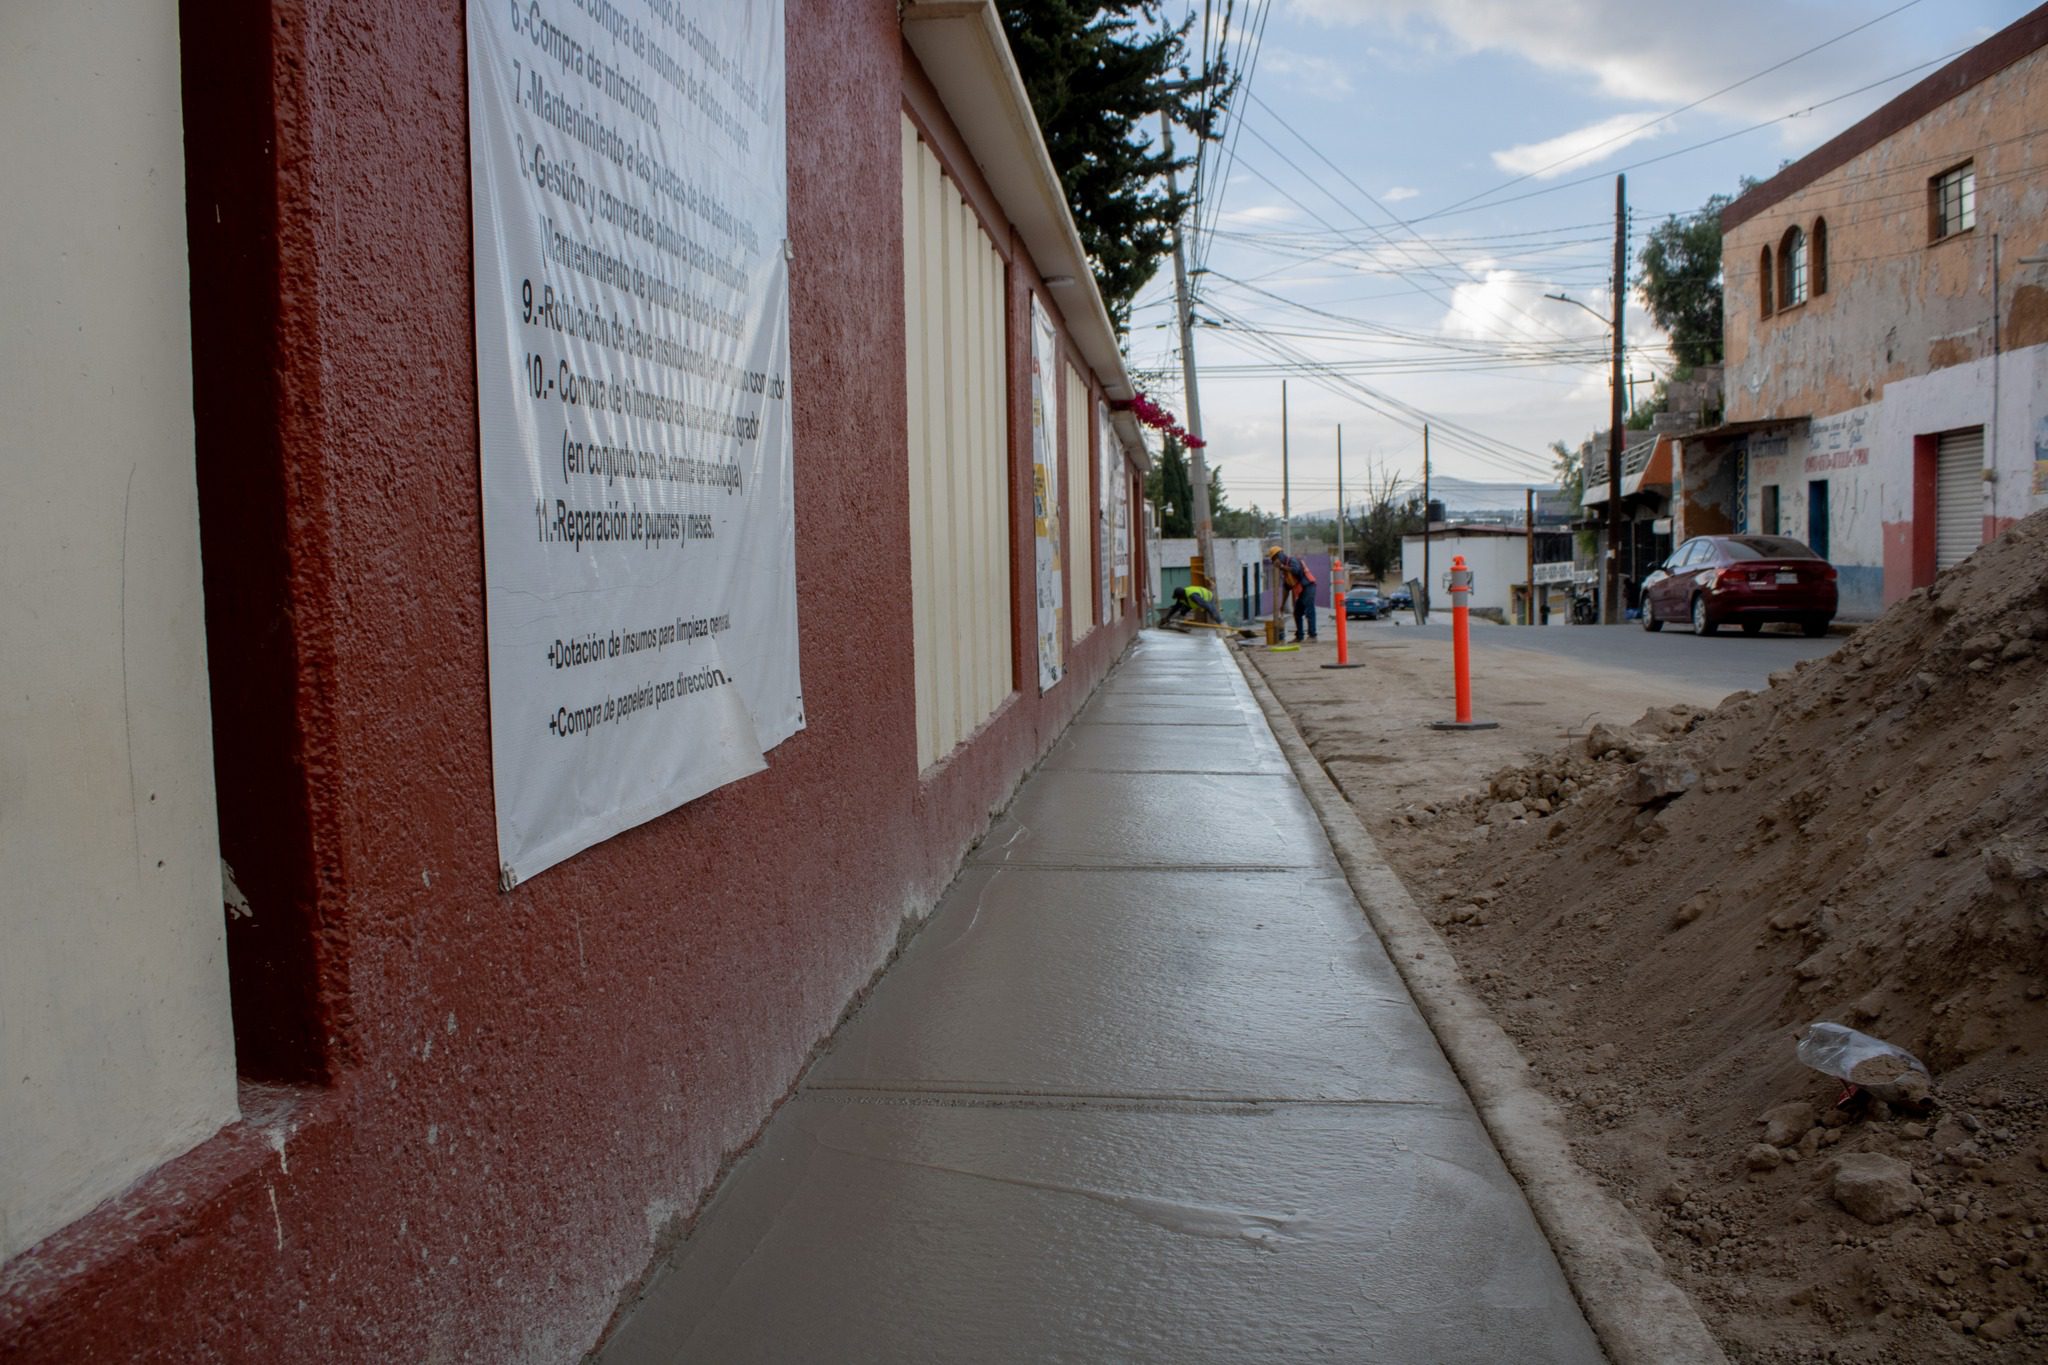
[1820,256]
[1792,268]
[1763,277]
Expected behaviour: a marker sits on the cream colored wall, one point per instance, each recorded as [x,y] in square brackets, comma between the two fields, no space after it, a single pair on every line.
[115,1044]
[959,459]
[1079,412]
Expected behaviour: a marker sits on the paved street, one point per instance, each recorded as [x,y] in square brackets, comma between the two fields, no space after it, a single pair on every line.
[1728,661]
[1146,1089]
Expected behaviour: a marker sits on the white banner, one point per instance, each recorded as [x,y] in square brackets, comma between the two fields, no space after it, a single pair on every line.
[1045,496]
[1121,530]
[1109,463]
[629,191]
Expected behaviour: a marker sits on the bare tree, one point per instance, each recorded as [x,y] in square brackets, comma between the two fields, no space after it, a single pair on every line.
[1387,516]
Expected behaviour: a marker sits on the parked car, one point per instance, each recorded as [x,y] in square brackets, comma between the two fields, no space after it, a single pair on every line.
[1745,580]
[1365,603]
[1400,599]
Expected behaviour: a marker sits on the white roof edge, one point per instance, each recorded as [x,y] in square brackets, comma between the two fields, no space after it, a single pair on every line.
[964,52]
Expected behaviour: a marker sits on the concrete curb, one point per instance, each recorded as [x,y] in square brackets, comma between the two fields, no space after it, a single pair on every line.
[1639,1314]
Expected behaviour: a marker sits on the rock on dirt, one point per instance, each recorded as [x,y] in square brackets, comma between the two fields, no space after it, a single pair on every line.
[1659,778]
[1785,1124]
[1610,741]
[1875,1188]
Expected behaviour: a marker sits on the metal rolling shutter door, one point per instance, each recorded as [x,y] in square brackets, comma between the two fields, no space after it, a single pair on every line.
[1959,497]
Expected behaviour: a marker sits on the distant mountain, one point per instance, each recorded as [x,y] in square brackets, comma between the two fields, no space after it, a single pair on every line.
[1459,496]
[1466,495]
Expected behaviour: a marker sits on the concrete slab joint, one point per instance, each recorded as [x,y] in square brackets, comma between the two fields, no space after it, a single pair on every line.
[1145,1088]
[1640,1315]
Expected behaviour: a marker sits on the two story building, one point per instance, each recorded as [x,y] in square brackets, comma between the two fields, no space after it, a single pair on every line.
[1887,332]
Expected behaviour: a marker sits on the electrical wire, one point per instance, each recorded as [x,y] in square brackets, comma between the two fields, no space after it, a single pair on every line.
[1474,444]
[1621,285]
[1697,146]
[1682,109]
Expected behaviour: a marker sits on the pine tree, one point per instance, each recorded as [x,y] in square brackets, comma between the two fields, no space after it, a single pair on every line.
[1098,76]
[1169,486]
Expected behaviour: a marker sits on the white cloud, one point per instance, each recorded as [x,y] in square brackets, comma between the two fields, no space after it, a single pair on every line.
[1317,77]
[1657,51]
[1494,307]
[1258,215]
[1399,193]
[1581,147]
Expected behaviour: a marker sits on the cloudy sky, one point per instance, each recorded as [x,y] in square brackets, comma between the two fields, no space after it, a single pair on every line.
[1406,179]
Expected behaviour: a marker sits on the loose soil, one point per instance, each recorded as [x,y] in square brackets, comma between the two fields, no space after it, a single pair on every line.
[1656,904]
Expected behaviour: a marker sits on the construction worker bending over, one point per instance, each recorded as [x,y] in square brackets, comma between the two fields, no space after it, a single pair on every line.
[1298,582]
[1196,602]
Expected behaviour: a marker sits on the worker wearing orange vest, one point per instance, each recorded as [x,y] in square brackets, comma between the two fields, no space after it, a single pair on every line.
[1295,579]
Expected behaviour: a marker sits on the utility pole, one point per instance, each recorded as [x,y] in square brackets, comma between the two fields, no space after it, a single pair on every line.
[1198,472]
[1286,501]
[1610,591]
[1529,525]
[1340,502]
[1633,380]
[1424,603]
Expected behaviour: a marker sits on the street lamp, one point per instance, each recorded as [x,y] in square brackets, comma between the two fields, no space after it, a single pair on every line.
[1567,298]
[1610,579]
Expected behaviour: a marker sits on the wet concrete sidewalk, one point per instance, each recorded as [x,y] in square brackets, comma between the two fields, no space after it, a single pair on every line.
[1145,1089]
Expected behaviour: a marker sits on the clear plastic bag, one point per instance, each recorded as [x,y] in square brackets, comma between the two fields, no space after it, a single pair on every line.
[1889,1072]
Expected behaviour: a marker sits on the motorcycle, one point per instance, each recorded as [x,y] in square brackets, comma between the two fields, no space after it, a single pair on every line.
[1585,607]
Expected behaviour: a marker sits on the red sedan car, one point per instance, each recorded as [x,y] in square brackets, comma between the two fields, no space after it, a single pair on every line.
[1714,581]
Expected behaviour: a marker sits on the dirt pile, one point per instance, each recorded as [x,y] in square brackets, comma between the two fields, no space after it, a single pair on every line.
[1658,912]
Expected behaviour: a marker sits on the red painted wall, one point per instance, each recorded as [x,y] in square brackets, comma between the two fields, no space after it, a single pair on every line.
[493,1107]
[1909,546]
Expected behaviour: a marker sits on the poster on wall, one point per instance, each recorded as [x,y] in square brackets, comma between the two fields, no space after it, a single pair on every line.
[1109,457]
[1045,497]
[629,189]
[1121,534]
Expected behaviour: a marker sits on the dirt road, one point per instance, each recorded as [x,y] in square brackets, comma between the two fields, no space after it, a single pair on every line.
[1368,724]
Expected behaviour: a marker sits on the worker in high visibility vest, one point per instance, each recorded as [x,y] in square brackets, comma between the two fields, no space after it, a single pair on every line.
[1295,579]
[1197,602]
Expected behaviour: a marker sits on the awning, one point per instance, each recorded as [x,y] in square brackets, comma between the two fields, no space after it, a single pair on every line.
[1740,428]
[1645,467]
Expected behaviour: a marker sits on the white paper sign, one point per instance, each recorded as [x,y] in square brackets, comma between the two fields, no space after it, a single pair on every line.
[629,187]
[1045,496]
[1120,512]
[1109,463]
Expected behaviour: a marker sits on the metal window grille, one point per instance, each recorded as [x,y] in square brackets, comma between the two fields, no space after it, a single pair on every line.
[1955,202]
[1795,267]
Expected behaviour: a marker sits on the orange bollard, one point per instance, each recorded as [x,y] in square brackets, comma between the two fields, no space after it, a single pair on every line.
[1340,583]
[1461,652]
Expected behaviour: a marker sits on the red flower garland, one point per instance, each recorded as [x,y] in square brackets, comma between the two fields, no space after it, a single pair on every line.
[1160,419]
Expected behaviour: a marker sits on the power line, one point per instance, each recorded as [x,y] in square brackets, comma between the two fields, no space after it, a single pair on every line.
[1250,45]
[1697,146]
[1474,443]
[1449,302]
[1374,201]
[1682,109]
[1377,328]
